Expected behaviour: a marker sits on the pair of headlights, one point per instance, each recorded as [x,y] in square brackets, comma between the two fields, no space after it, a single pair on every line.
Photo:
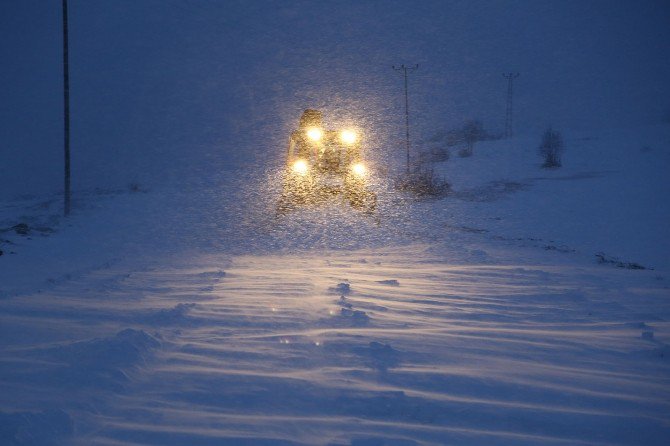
[346,136]
[301,167]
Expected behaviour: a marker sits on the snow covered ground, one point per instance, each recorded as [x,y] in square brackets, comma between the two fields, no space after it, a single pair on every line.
[191,316]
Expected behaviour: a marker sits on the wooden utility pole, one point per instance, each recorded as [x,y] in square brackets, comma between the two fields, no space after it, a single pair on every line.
[66,112]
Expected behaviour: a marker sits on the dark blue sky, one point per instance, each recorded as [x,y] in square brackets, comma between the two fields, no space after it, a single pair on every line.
[163,89]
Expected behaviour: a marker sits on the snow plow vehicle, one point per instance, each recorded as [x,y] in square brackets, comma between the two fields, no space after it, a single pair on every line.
[322,164]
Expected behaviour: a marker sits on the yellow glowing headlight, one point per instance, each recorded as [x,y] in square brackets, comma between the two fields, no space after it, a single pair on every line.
[300,167]
[314,133]
[359,169]
[348,136]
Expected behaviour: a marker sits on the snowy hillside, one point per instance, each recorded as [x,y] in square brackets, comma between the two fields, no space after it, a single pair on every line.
[192,316]
[608,197]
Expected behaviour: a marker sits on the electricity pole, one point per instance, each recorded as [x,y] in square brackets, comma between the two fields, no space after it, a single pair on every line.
[405,69]
[66,112]
[509,130]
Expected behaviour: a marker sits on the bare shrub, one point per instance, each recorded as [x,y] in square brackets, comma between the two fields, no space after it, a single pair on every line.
[467,134]
[434,155]
[551,149]
[424,182]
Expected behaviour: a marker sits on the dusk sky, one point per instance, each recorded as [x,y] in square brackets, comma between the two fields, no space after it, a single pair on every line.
[157,86]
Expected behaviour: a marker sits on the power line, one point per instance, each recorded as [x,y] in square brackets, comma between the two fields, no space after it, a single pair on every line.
[509,112]
[405,69]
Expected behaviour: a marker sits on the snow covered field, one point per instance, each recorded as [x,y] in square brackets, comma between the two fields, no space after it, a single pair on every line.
[529,306]
[193,317]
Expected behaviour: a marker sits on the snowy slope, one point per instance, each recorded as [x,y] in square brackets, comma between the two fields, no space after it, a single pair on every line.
[191,316]
[610,196]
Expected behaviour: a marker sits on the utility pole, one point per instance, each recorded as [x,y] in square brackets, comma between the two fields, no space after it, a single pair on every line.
[66,112]
[509,129]
[405,69]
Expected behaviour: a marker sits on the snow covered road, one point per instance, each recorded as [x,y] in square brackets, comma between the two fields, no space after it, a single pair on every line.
[526,308]
[402,345]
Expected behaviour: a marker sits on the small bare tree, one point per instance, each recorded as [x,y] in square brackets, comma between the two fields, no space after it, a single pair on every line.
[472,132]
[551,148]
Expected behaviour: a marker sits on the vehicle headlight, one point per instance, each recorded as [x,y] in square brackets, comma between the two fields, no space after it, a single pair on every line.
[359,169]
[314,133]
[348,136]
[300,167]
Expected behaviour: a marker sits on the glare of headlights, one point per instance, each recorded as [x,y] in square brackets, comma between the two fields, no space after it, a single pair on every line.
[359,169]
[348,136]
[300,166]
[314,133]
